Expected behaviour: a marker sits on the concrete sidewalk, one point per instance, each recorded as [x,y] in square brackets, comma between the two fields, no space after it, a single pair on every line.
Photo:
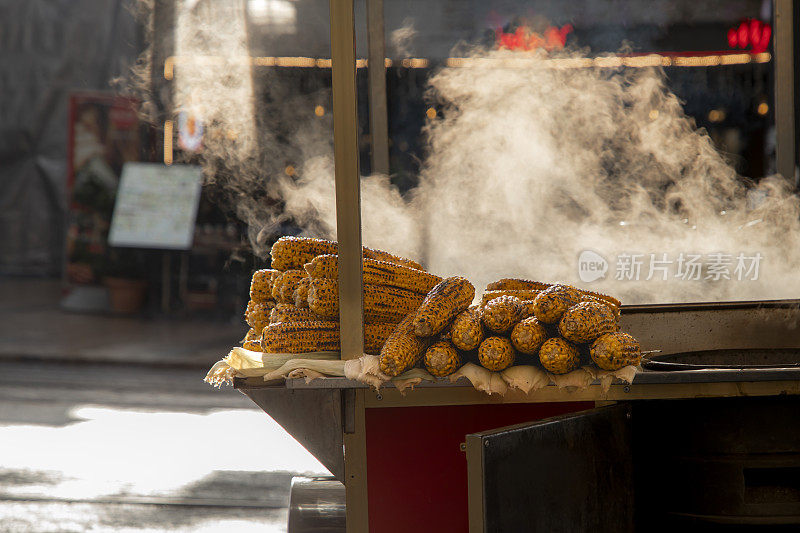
[32,326]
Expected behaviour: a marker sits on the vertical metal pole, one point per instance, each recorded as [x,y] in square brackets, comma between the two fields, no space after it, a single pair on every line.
[378,115]
[348,193]
[785,149]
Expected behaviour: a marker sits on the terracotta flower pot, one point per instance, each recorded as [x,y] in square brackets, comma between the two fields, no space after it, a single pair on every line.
[126,295]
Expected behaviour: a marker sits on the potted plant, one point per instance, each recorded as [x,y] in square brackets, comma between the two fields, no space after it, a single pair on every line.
[125,280]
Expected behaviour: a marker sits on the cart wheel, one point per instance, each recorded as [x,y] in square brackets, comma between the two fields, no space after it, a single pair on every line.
[316,504]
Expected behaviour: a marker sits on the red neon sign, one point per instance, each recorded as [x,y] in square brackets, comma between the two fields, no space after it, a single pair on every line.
[525,39]
[750,33]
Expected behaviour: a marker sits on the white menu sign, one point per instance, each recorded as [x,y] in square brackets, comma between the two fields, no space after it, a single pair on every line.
[156,206]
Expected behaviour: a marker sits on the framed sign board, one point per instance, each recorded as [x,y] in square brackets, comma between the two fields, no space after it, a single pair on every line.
[156,206]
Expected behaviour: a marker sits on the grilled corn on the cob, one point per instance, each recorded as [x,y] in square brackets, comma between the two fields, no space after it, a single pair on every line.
[257,314]
[516,284]
[551,303]
[385,304]
[403,349]
[496,353]
[613,351]
[300,337]
[526,309]
[290,313]
[442,304]
[293,252]
[377,273]
[253,345]
[442,359]
[502,313]
[284,285]
[586,321]
[315,336]
[559,356]
[528,336]
[261,285]
[522,294]
[467,330]
[300,294]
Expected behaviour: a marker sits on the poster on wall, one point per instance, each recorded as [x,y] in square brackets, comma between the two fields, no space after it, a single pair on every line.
[104,133]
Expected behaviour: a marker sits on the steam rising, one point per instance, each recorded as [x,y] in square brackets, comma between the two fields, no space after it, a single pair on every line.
[526,168]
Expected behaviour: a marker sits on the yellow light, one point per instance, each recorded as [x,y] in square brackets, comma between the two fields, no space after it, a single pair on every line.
[289,170]
[168,142]
[763,108]
[653,114]
[319,110]
[431,113]
[387,62]
[716,115]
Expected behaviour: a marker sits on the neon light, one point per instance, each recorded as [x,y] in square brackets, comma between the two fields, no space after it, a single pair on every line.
[525,39]
[750,33]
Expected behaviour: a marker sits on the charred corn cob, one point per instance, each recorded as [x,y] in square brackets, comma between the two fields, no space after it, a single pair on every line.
[610,300]
[442,304]
[300,337]
[380,255]
[403,349]
[516,284]
[586,321]
[376,335]
[384,304]
[614,309]
[293,252]
[613,351]
[300,294]
[261,285]
[253,345]
[554,301]
[559,356]
[287,283]
[496,353]
[526,308]
[502,313]
[528,336]
[257,314]
[488,296]
[315,336]
[290,313]
[377,273]
[467,330]
[442,359]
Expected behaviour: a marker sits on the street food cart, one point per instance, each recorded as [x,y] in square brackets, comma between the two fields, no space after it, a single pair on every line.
[704,436]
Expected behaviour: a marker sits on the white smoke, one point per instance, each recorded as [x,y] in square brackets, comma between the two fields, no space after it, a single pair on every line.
[527,167]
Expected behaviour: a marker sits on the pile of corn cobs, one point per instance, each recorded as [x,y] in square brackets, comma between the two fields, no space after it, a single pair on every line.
[413,317]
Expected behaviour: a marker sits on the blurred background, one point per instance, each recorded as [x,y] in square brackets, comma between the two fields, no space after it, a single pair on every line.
[126,210]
